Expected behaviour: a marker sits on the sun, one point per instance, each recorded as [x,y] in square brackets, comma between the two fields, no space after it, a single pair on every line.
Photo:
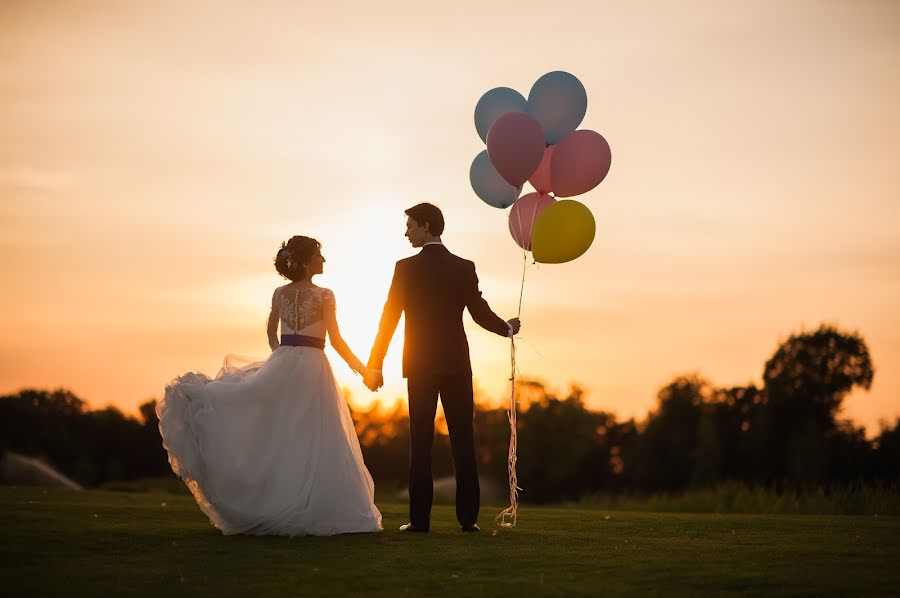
[361,247]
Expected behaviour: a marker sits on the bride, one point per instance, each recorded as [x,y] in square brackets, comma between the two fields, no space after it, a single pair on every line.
[270,448]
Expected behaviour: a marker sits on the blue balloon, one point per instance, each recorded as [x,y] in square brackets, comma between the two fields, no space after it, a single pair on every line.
[489,185]
[558,101]
[494,104]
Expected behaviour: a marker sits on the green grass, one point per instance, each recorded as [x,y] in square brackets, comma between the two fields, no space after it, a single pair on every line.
[739,498]
[158,543]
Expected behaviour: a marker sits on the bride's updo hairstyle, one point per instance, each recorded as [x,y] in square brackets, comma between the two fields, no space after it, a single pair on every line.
[294,255]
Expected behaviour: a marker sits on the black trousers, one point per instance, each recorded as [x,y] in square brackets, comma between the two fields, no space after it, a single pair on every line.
[456,395]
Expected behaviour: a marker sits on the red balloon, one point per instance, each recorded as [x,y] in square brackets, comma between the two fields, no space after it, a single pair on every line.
[540,178]
[515,144]
[523,215]
[580,162]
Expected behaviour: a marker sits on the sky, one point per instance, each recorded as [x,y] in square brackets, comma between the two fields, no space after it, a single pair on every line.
[153,156]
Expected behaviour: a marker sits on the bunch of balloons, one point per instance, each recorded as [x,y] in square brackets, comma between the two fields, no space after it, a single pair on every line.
[536,140]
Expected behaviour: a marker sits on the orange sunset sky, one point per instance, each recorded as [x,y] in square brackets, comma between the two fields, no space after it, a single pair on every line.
[153,155]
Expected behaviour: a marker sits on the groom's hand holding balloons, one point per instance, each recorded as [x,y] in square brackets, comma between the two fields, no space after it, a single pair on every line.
[514,326]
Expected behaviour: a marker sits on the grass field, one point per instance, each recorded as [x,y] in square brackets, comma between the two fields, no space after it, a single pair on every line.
[56,542]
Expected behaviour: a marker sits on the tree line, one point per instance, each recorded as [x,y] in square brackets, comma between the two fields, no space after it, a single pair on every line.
[785,434]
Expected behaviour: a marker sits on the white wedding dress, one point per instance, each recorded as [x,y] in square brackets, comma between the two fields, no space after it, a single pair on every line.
[270,448]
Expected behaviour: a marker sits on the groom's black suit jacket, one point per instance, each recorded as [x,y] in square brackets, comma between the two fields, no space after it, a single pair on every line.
[432,288]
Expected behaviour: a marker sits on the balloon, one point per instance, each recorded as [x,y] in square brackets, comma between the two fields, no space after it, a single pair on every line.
[540,178]
[523,215]
[558,101]
[580,162]
[515,145]
[489,185]
[494,104]
[562,232]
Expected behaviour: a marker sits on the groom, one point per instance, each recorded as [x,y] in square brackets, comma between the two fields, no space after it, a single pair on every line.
[433,287]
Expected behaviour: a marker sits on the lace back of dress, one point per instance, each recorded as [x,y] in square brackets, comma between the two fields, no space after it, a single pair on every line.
[302,311]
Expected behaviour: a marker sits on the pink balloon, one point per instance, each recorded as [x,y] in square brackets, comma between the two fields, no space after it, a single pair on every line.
[523,215]
[515,144]
[540,178]
[580,162]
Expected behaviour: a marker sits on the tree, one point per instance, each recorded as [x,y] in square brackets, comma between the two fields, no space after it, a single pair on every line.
[888,452]
[90,446]
[563,451]
[805,381]
[666,452]
[816,370]
[737,413]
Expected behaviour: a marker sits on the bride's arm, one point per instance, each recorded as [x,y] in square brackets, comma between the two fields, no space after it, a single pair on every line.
[272,324]
[337,341]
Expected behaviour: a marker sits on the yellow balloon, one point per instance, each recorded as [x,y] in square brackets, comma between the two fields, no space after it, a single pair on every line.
[562,232]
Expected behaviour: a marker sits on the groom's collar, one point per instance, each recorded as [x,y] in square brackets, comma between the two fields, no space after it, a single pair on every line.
[432,246]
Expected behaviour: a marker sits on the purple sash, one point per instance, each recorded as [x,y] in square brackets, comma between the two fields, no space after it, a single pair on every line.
[299,340]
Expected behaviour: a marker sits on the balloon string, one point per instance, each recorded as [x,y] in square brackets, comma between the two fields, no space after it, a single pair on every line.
[520,233]
[509,516]
[522,286]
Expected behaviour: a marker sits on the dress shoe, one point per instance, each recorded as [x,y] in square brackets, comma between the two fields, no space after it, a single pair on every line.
[472,527]
[409,527]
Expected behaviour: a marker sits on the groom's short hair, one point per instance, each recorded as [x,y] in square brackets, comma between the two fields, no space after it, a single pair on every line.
[426,213]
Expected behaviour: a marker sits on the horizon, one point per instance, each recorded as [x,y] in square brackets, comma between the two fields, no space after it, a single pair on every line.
[153,158]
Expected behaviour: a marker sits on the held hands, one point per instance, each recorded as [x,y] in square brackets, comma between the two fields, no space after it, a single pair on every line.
[514,325]
[372,379]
